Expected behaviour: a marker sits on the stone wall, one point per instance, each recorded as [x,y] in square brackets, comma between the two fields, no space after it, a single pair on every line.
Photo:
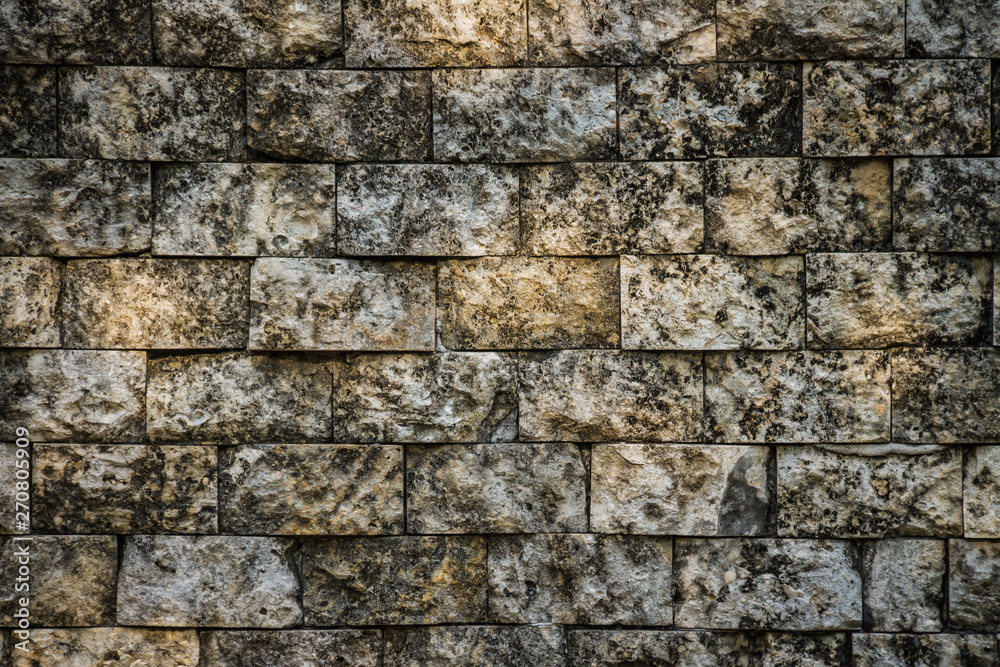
[497,332]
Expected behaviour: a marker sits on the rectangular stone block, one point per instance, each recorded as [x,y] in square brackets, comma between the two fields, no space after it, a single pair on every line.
[74,208]
[973,572]
[603,648]
[528,303]
[898,650]
[244,210]
[904,585]
[777,206]
[73,395]
[29,301]
[235,648]
[109,647]
[797,397]
[581,579]
[341,304]
[787,649]
[232,398]
[165,304]
[941,29]
[209,580]
[414,209]
[886,299]
[982,492]
[593,396]
[340,116]
[604,208]
[395,581]
[481,645]
[946,395]
[893,107]
[123,489]
[151,113]
[679,489]
[311,490]
[765,583]
[675,302]
[735,110]
[28,107]
[10,463]
[496,488]
[524,115]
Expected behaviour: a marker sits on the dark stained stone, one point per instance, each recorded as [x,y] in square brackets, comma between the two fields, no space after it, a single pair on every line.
[949,29]
[973,572]
[898,650]
[29,301]
[982,492]
[108,647]
[785,649]
[480,645]
[301,648]
[658,648]
[28,126]
[904,584]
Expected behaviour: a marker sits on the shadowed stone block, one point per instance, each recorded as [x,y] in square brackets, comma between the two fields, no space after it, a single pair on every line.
[945,29]
[109,647]
[482,645]
[784,649]
[28,106]
[896,650]
[29,301]
[904,585]
[982,492]
[308,648]
[973,572]
[619,648]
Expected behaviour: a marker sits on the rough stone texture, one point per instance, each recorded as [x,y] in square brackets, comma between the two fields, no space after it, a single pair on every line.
[9,462]
[674,302]
[602,208]
[396,33]
[895,106]
[73,395]
[876,650]
[29,301]
[871,300]
[946,395]
[341,304]
[484,646]
[730,110]
[527,115]
[780,649]
[594,395]
[252,33]
[496,488]
[622,648]
[768,584]
[776,206]
[615,579]
[304,648]
[244,209]
[982,492]
[151,113]
[946,204]
[339,116]
[904,585]
[155,304]
[122,489]
[974,599]
[943,29]
[311,490]
[73,208]
[109,647]
[395,581]
[231,398]
[408,209]
[826,494]
[797,397]
[217,581]
[650,489]
[621,32]
[809,29]
[528,303]
[28,111]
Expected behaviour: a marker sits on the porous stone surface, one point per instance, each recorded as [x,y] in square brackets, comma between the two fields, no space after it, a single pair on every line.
[485,645]
[904,585]
[777,206]
[308,648]
[28,121]
[620,648]
[29,301]
[9,462]
[785,649]
[942,29]
[973,570]
[109,647]
[982,492]
[121,489]
[311,490]
[216,581]
[767,583]
[900,650]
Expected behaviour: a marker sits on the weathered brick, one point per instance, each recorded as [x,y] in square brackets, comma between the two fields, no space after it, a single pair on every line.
[899,650]
[973,572]
[29,301]
[786,649]
[109,647]
[904,584]
[481,645]
[943,29]
[619,648]
[28,123]
[982,492]
[10,463]
[266,648]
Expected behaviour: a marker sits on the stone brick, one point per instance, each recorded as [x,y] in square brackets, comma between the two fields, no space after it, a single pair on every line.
[982,492]
[775,206]
[973,572]
[308,648]
[220,581]
[244,209]
[895,106]
[28,124]
[124,489]
[768,584]
[340,116]
[528,303]
[605,208]
[341,304]
[733,110]
[396,33]
[904,585]
[784,649]
[482,645]
[73,395]
[897,650]
[496,488]
[73,208]
[252,33]
[414,209]
[946,395]
[9,463]
[233,397]
[395,581]
[581,579]
[823,493]
[524,115]
[620,648]
[155,304]
[796,397]
[675,303]
[151,113]
[311,490]
[29,301]
[592,396]
[943,29]
[109,647]
[621,32]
